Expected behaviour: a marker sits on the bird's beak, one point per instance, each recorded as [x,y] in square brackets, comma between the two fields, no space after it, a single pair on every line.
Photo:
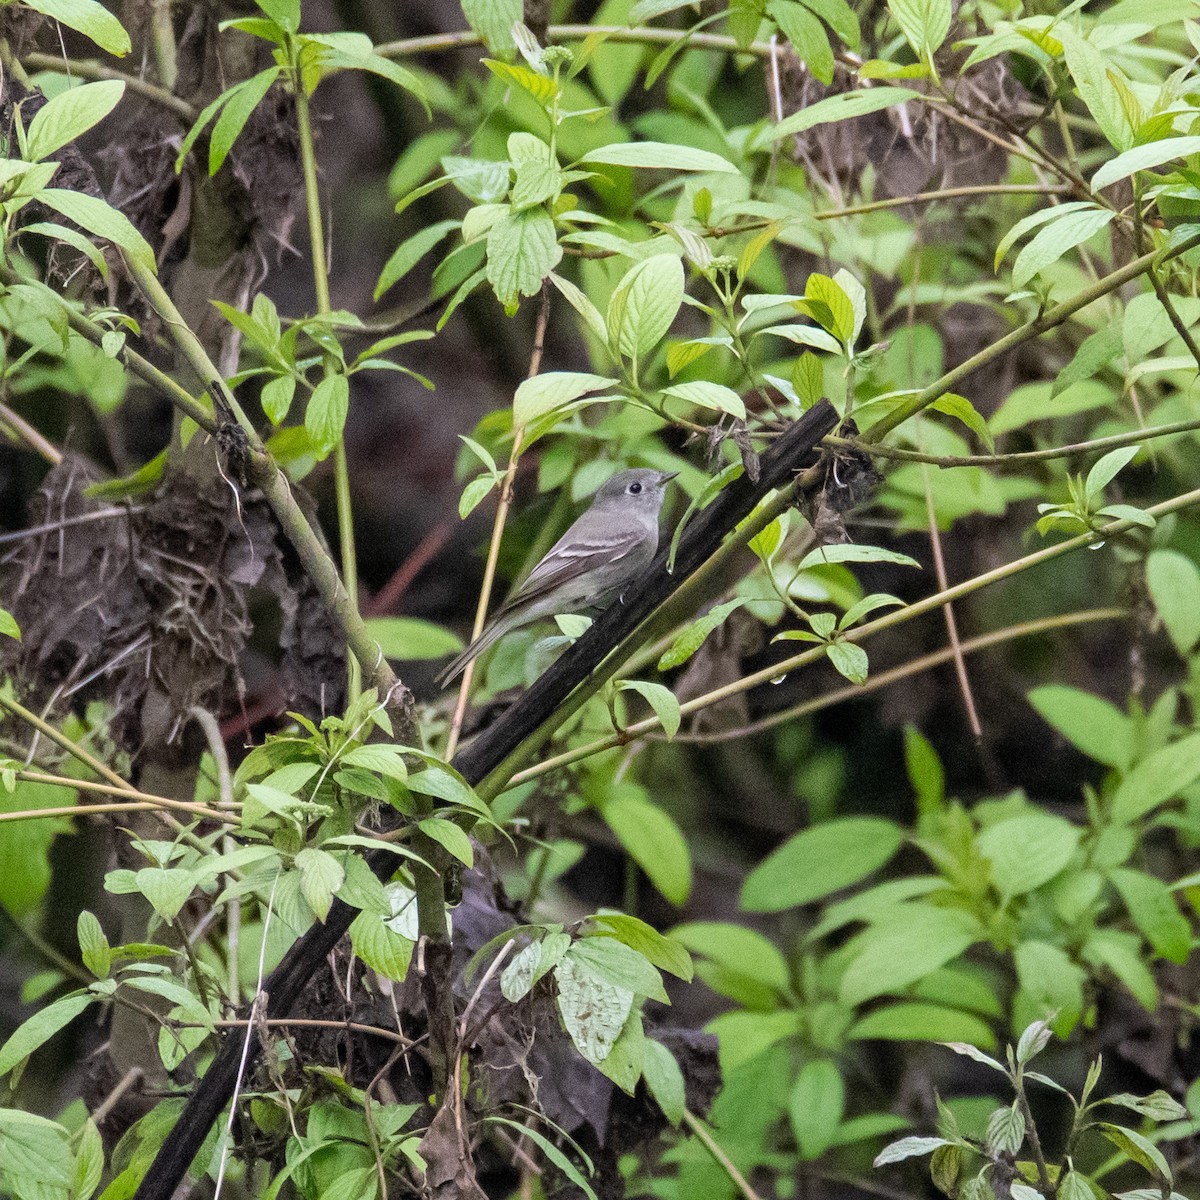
[666,477]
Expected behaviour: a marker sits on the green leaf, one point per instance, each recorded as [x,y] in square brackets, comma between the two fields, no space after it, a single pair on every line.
[69,114]
[1154,912]
[93,945]
[824,555]
[1158,778]
[1096,351]
[34,1150]
[842,320]
[277,396]
[1106,469]
[660,698]
[643,305]
[908,1147]
[535,183]
[541,87]
[593,1011]
[1088,722]
[1138,1149]
[924,23]
[325,416]
[522,250]
[99,217]
[8,625]
[89,1161]
[540,395]
[922,1023]
[167,889]
[1028,850]
[652,839]
[449,836]
[382,948]
[42,1026]
[1052,242]
[663,155]
[493,21]
[320,877]
[807,36]
[816,1105]
[240,102]
[1141,158]
[805,335]
[410,252]
[840,17]
[1006,1129]
[709,395]
[591,315]
[908,942]
[548,1148]
[817,861]
[408,639]
[664,952]
[963,410]
[842,107]
[616,963]
[849,660]
[1158,1106]
[664,1080]
[1174,583]
[88,17]
[692,638]
[738,949]
[1090,70]
[481,180]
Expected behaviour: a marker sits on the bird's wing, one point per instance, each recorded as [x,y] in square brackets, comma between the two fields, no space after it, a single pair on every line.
[577,552]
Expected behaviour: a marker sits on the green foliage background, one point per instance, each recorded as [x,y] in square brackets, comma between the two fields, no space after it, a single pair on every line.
[964,811]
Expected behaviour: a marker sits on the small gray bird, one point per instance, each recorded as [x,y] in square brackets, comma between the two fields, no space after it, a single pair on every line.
[606,548]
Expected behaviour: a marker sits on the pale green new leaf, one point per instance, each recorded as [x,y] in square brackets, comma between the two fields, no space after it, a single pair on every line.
[709,395]
[924,23]
[1174,583]
[522,250]
[70,114]
[542,394]
[88,17]
[1052,242]
[661,155]
[99,217]
[842,107]
[643,305]
[325,417]
[661,699]
[1142,158]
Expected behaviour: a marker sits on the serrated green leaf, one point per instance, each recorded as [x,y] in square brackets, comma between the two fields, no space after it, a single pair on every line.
[643,305]
[410,252]
[540,395]
[522,250]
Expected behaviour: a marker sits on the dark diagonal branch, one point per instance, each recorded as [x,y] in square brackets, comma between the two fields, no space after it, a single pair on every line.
[533,712]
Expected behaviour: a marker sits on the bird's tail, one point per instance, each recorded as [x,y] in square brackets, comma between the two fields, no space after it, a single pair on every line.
[458,665]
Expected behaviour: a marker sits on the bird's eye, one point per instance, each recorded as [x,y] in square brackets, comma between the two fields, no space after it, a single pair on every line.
[634,488]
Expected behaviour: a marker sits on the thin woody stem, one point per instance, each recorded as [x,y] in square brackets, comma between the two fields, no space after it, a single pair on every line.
[860,633]
[502,510]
